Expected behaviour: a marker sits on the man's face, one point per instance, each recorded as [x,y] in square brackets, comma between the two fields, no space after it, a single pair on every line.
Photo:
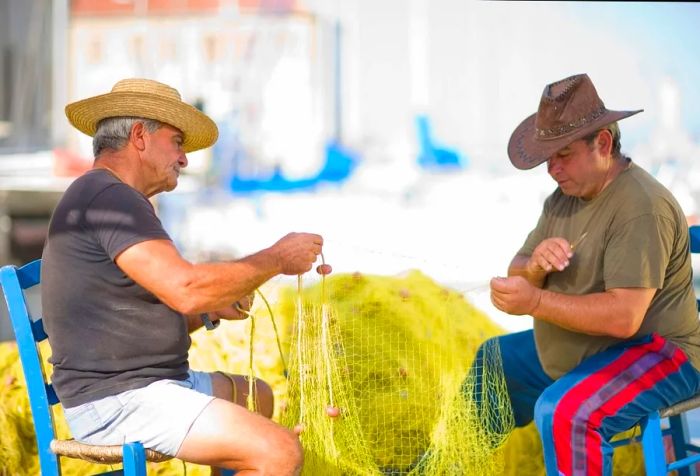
[579,169]
[165,158]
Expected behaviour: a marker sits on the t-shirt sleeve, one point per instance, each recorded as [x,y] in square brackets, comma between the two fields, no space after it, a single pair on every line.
[638,252]
[120,217]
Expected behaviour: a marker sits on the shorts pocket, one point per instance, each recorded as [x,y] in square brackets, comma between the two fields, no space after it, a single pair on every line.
[92,422]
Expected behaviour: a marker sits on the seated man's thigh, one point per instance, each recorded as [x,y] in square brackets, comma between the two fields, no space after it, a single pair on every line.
[158,415]
[611,391]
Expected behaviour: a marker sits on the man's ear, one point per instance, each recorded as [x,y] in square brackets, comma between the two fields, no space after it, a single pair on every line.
[137,136]
[605,141]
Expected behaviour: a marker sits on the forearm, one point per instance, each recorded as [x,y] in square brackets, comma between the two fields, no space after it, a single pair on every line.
[209,286]
[192,289]
[519,267]
[603,314]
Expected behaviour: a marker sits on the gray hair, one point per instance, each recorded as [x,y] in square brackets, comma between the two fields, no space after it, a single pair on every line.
[113,132]
[614,129]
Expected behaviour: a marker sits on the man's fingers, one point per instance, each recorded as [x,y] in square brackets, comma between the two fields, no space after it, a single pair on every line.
[543,263]
[556,260]
[503,286]
[498,302]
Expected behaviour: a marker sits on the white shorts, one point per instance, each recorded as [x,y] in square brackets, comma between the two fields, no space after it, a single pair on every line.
[159,415]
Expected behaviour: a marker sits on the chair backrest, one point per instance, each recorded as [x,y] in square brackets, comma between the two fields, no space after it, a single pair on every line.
[29,331]
[695,245]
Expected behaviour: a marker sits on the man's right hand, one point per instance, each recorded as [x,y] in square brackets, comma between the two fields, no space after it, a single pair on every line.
[552,254]
[297,252]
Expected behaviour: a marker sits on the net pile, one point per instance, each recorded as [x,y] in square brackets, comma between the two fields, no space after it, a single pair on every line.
[390,357]
[389,353]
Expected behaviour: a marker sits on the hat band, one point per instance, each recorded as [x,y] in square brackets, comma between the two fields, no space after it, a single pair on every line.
[566,128]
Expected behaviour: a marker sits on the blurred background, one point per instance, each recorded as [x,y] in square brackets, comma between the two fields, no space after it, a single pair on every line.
[381,124]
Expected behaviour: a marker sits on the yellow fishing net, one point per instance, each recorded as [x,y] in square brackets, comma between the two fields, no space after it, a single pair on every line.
[376,375]
[390,357]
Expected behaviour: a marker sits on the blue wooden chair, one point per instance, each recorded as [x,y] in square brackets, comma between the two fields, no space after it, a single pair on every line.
[686,454]
[29,332]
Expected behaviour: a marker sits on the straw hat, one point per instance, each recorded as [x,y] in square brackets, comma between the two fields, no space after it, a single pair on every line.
[148,99]
[569,110]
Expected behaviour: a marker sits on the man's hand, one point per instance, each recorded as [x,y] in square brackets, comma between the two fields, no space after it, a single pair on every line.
[551,254]
[515,295]
[236,311]
[297,252]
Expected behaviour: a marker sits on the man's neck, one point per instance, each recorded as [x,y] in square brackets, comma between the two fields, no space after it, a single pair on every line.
[619,165]
[117,164]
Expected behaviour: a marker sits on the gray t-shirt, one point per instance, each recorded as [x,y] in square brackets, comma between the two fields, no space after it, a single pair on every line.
[637,237]
[107,333]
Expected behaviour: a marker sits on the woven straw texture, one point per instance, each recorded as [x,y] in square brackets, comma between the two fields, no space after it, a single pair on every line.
[148,99]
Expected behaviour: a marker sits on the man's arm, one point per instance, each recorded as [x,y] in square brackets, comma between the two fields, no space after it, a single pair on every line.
[192,289]
[616,312]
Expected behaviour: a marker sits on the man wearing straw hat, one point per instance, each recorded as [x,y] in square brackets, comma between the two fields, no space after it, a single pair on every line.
[606,275]
[119,300]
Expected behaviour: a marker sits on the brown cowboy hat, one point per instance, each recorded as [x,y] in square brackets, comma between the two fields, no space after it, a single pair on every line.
[569,110]
[148,99]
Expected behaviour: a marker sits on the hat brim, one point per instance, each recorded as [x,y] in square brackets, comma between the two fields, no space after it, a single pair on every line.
[198,129]
[526,152]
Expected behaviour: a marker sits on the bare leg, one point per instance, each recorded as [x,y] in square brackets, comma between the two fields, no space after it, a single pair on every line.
[226,435]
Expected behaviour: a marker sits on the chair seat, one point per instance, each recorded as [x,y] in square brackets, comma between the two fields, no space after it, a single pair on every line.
[98,453]
[681,407]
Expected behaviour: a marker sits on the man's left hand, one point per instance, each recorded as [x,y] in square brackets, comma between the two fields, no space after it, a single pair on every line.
[236,311]
[515,295]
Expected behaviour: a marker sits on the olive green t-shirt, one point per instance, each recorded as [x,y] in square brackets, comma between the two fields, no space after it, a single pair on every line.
[637,237]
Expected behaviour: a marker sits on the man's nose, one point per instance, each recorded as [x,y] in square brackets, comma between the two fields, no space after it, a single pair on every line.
[182,161]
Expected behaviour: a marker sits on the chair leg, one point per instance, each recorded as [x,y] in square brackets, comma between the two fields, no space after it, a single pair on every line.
[134,459]
[679,434]
[652,446]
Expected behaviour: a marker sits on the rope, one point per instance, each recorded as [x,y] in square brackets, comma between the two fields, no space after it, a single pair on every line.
[300,323]
[274,327]
[250,401]
[322,270]
[331,410]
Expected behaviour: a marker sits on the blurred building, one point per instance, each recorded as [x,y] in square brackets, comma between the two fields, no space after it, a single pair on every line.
[261,69]
[25,74]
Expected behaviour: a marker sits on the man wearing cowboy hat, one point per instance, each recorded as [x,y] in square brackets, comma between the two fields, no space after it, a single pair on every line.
[119,300]
[606,275]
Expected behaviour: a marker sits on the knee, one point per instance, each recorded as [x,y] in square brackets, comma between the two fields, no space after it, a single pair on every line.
[482,365]
[287,455]
[483,348]
[296,454]
[481,358]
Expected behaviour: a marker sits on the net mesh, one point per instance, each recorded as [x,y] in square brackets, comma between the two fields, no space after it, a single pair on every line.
[390,353]
[390,357]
